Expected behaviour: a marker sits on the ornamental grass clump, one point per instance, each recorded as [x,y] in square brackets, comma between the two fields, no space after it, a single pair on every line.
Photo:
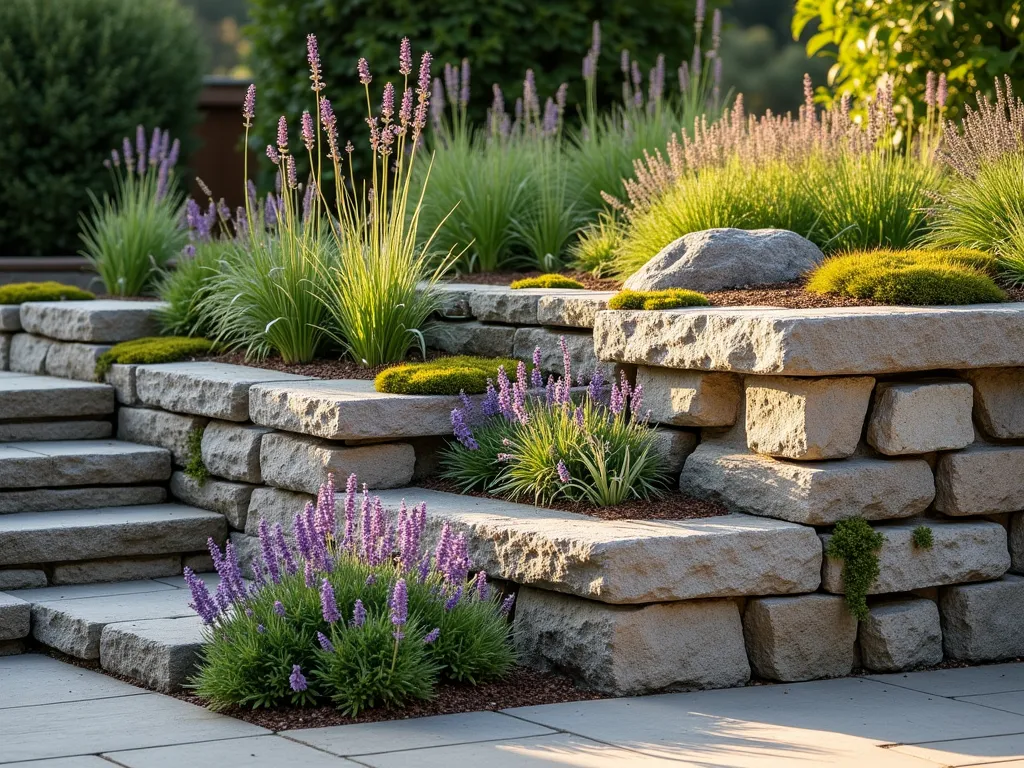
[356,613]
[446,376]
[546,441]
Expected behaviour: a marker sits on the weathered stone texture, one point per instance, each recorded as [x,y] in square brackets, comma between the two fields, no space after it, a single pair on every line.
[92,321]
[73,360]
[14,432]
[232,451]
[16,578]
[472,338]
[10,317]
[122,379]
[275,506]
[453,299]
[299,463]
[230,499]
[56,499]
[46,397]
[28,353]
[982,622]
[580,347]
[15,617]
[980,480]
[900,635]
[501,304]
[116,569]
[161,653]
[690,398]
[999,401]
[921,418]
[149,426]
[80,462]
[5,351]
[673,446]
[572,309]
[1016,541]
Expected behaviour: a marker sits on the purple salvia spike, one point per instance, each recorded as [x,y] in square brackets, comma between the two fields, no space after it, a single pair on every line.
[566,361]
[325,505]
[236,584]
[405,57]
[140,144]
[350,511]
[215,554]
[399,605]
[279,609]
[431,636]
[201,603]
[267,552]
[325,644]
[490,407]
[363,68]
[462,431]
[284,552]
[154,146]
[459,564]
[578,416]
[249,105]
[403,531]
[302,537]
[442,554]
[297,680]
[126,152]
[424,568]
[259,573]
[549,394]
[563,472]
[636,400]
[595,387]
[364,525]
[328,605]
[222,598]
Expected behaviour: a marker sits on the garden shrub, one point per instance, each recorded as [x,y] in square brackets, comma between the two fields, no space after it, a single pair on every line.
[360,614]
[152,349]
[856,543]
[920,277]
[922,537]
[670,298]
[82,74]
[543,443]
[595,249]
[547,281]
[446,376]
[49,290]
[186,286]
[195,467]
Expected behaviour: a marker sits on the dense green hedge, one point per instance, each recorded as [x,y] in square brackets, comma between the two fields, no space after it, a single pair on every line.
[76,76]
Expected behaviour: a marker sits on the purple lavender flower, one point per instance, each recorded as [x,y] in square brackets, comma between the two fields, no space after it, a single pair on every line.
[578,417]
[297,681]
[536,378]
[490,406]
[230,573]
[313,56]
[699,12]
[458,562]
[399,605]
[387,103]
[365,522]
[279,608]
[302,538]
[307,130]
[363,68]
[405,57]
[563,472]
[275,158]
[405,113]
[328,606]
[504,458]
[504,393]
[431,636]
[370,580]
[480,586]
[636,400]
[309,575]
[350,511]
[464,89]
[596,385]
[249,106]
[358,614]
[330,123]
[617,401]
[140,142]
[326,520]
[126,152]
[462,431]
[566,363]
[325,644]
[453,600]
[589,70]
[443,551]
[201,603]
[506,605]
[260,629]
[267,552]
[282,134]
[549,123]
[531,102]
[941,92]
[451,83]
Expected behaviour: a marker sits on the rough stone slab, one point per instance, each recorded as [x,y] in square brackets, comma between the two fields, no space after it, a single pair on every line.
[982,622]
[28,353]
[75,626]
[572,309]
[580,346]
[674,446]
[812,493]
[900,635]
[15,617]
[472,338]
[80,462]
[247,548]
[232,451]
[161,653]
[980,480]
[72,360]
[5,351]
[815,342]
[16,432]
[453,299]
[628,650]
[14,578]
[116,569]
[299,463]
[690,398]
[624,561]
[93,321]
[155,529]
[275,506]
[199,562]
[999,401]
[109,589]
[10,317]
[921,417]
[229,499]
[961,552]
[348,409]
[800,638]
[217,390]
[55,499]
[122,379]
[149,426]
[501,304]
[806,419]
[1016,541]
[41,397]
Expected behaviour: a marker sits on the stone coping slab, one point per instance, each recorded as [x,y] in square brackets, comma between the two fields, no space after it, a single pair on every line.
[349,409]
[632,561]
[522,306]
[572,309]
[24,396]
[105,320]
[81,462]
[217,390]
[815,342]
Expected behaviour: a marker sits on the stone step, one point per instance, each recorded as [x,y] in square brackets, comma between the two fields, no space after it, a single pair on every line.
[56,499]
[25,397]
[69,535]
[34,431]
[47,464]
[92,321]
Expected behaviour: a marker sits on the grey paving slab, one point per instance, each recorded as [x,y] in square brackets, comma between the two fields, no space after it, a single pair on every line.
[81,462]
[996,751]
[108,725]
[82,761]
[80,591]
[57,499]
[33,679]
[109,320]
[1012,701]
[24,396]
[966,681]
[251,752]
[397,735]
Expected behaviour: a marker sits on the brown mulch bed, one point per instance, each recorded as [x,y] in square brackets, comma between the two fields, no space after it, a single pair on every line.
[672,506]
[505,278]
[318,369]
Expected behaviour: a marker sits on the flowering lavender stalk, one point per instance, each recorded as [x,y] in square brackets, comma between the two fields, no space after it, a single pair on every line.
[284,552]
[328,605]
[326,519]
[279,608]
[358,614]
[536,377]
[350,512]
[431,636]
[490,406]
[313,56]
[309,574]
[325,644]
[363,68]
[330,124]
[481,587]
[443,551]
[462,431]
[504,394]
[260,629]
[596,386]
[563,472]
[297,680]
[405,57]
[249,106]
[282,134]
[464,85]
[453,600]
[201,603]
[506,605]
[399,605]
[307,130]
[302,536]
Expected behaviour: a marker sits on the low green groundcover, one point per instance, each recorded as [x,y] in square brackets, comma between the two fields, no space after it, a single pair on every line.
[917,277]
[445,376]
[152,349]
[670,298]
[50,290]
[552,280]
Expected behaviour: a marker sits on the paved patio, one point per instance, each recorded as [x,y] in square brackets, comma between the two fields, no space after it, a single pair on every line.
[53,715]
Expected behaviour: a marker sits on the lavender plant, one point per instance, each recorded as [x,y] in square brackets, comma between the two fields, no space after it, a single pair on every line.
[545,442]
[357,612]
[130,236]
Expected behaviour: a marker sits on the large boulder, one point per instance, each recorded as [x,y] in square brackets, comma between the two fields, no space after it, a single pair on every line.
[725,258]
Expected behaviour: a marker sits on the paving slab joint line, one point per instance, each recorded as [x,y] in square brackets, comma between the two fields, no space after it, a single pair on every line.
[106,755]
[577,735]
[904,687]
[77,701]
[943,741]
[989,706]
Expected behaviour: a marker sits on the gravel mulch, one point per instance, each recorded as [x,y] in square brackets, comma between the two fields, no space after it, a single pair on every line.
[506,278]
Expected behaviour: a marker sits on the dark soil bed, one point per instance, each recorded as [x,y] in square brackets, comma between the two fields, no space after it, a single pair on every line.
[318,369]
[506,278]
[672,506]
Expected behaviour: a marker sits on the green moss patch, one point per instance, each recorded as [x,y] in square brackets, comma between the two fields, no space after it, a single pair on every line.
[922,537]
[670,298]
[195,467]
[856,543]
[152,349]
[552,280]
[919,277]
[445,376]
[49,290]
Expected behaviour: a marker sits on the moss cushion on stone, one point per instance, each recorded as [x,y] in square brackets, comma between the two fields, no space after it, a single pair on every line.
[152,349]
[445,376]
[49,290]
[917,277]
[670,298]
[553,280]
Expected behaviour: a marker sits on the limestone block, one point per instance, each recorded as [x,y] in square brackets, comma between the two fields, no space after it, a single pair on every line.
[56,499]
[674,445]
[150,426]
[72,360]
[579,344]
[15,578]
[961,552]
[5,351]
[806,419]
[299,463]
[472,338]
[572,309]
[230,499]
[28,353]
[921,418]
[900,635]
[1016,541]
[275,506]
[92,321]
[999,401]
[116,569]
[15,617]
[122,379]
[162,653]
[628,650]
[10,317]
[690,398]
[980,480]
[14,432]
[799,638]
[501,304]
[232,451]
[982,622]
[199,562]
[812,493]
